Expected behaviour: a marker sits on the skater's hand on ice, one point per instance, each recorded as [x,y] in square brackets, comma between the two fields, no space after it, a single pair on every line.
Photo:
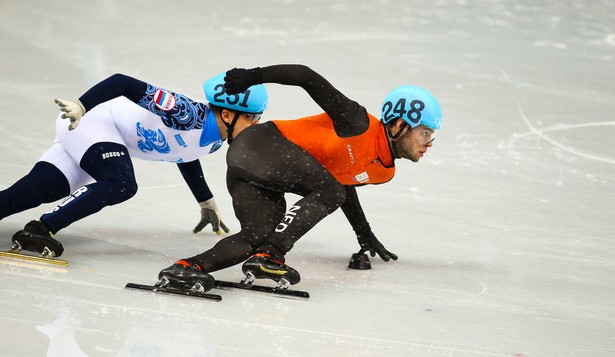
[237,80]
[210,214]
[369,243]
[72,110]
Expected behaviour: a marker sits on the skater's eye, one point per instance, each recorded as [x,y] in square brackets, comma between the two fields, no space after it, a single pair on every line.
[427,135]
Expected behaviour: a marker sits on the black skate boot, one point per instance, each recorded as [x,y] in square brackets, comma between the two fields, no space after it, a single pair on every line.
[36,237]
[263,266]
[185,276]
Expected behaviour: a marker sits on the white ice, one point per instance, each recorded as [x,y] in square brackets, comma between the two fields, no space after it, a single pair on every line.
[505,230]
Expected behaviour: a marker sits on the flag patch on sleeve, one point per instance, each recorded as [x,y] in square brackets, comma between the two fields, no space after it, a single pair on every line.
[164,100]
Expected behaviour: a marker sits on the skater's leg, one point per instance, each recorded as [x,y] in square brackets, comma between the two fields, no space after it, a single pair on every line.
[116,183]
[52,178]
[261,155]
[110,165]
[258,211]
[43,184]
[322,195]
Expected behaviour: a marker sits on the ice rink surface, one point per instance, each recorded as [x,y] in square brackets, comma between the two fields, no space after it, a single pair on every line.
[505,229]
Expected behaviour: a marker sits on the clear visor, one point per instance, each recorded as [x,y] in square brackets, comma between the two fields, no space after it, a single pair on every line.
[426,135]
[253,117]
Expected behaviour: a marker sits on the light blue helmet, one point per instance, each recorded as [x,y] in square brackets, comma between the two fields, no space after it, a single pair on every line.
[413,104]
[253,100]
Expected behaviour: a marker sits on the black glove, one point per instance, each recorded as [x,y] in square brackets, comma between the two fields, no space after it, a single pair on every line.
[369,243]
[237,80]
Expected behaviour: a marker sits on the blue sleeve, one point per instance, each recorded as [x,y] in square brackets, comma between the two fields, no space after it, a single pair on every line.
[115,86]
[175,110]
[192,173]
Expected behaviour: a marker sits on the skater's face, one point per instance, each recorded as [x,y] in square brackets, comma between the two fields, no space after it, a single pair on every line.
[412,144]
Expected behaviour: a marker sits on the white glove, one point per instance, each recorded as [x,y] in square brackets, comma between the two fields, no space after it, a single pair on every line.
[72,110]
[210,214]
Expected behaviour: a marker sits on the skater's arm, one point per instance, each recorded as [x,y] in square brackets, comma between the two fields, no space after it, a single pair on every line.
[175,110]
[354,212]
[192,173]
[115,86]
[367,240]
[349,118]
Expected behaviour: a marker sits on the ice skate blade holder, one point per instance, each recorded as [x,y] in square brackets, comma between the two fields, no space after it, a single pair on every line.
[36,259]
[359,261]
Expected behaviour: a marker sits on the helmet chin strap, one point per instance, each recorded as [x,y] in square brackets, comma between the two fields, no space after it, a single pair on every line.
[230,127]
[393,138]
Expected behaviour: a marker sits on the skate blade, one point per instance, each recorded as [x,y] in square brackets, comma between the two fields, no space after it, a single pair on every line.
[268,290]
[283,284]
[248,279]
[33,258]
[197,288]
[162,282]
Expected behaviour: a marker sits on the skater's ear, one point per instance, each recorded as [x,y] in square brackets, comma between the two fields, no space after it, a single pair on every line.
[227,116]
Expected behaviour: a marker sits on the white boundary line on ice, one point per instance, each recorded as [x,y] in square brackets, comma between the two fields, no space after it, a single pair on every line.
[541,133]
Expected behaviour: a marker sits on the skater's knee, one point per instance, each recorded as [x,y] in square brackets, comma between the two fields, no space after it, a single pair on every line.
[332,196]
[248,238]
[45,183]
[48,181]
[121,190]
[131,188]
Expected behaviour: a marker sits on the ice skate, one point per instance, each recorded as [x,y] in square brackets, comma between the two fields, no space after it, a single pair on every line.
[35,237]
[182,275]
[263,266]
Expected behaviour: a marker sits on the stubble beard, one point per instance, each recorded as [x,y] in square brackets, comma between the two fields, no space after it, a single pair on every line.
[408,152]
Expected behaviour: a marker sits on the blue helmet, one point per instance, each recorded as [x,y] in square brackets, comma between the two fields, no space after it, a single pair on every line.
[414,105]
[253,100]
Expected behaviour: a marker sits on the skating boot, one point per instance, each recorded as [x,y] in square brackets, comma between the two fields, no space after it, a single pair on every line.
[185,276]
[36,237]
[263,266]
